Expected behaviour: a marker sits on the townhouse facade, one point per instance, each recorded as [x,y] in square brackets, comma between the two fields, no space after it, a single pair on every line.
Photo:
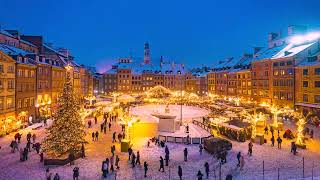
[32,79]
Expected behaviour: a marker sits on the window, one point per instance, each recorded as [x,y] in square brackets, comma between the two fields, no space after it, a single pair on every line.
[289,63]
[317,98]
[31,101]
[275,64]
[10,103]
[266,73]
[290,71]
[10,69]
[282,72]
[317,71]
[305,72]
[1,67]
[10,84]
[305,97]
[26,102]
[305,83]
[1,103]
[317,84]
[275,73]
[282,64]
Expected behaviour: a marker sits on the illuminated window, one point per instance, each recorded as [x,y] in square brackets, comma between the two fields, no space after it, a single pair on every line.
[10,103]
[275,73]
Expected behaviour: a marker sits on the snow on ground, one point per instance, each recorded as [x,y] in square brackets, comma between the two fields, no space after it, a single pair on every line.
[90,167]
[194,131]
[188,112]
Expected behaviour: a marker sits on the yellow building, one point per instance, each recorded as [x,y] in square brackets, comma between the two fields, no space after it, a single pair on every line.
[7,94]
[307,86]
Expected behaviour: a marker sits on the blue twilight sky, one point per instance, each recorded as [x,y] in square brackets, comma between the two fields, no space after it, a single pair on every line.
[194,32]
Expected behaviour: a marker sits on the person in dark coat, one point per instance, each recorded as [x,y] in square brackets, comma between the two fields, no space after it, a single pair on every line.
[180,172]
[114,137]
[19,137]
[93,136]
[199,175]
[138,158]
[105,129]
[104,168]
[75,173]
[95,120]
[185,154]
[200,149]
[133,160]
[25,154]
[206,167]
[97,135]
[166,150]
[56,177]
[101,127]
[166,158]
[250,146]
[117,162]
[109,126]
[272,141]
[161,164]
[28,146]
[238,158]
[145,166]
[41,157]
[279,140]
[129,152]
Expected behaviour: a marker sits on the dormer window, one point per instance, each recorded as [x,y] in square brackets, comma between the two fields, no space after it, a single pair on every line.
[19,58]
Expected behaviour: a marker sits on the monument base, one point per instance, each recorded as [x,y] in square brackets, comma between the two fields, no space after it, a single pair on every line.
[125,144]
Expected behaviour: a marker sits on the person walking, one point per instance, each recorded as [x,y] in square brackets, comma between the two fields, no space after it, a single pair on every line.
[206,167]
[238,158]
[105,167]
[117,162]
[76,173]
[97,135]
[56,177]
[166,158]
[129,152]
[138,158]
[272,141]
[95,120]
[83,153]
[145,166]
[185,154]
[180,172]
[111,163]
[105,129]
[161,164]
[250,146]
[28,146]
[133,160]
[48,174]
[101,127]
[199,175]
[279,140]
[166,150]
[109,126]
[200,149]
[114,137]
[93,136]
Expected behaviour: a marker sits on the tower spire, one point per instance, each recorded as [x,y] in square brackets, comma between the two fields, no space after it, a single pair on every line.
[146,59]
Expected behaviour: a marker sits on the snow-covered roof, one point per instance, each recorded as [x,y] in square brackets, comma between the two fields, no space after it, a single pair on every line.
[268,53]
[291,50]
[111,71]
[11,50]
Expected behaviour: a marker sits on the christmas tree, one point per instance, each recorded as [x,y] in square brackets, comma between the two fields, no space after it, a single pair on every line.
[67,133]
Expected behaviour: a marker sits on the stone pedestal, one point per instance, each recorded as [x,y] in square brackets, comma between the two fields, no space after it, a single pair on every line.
[125,144]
